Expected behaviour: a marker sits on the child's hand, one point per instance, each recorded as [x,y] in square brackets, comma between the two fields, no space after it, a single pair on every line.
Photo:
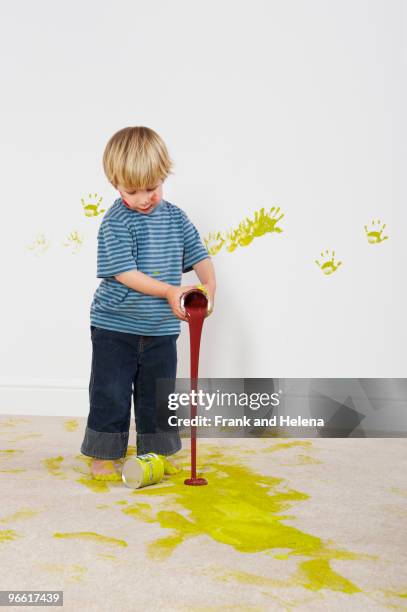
[174,296]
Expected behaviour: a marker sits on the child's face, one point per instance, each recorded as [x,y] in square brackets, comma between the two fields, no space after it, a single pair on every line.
[144,201]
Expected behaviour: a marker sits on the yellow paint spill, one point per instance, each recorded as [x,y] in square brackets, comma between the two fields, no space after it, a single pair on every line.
[91,535]
[122,501]
[71,425]
[301,460]
[97,486]
[7,535]
[313,575]
[9,451]
[284,445]
[53,465]
[24,513]
[242,510]
[102,506]
[75,572]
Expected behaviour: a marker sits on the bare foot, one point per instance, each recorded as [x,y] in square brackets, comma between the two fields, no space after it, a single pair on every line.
[106,469]
[170,466]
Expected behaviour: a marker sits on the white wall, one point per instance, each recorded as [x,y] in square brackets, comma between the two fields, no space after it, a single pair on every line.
[299,104]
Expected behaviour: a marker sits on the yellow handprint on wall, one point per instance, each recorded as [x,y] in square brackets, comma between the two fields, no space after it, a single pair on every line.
[247,230]
[374,236]
[329,266]
[40,245]
[214,243]
[74,241]
[91,209]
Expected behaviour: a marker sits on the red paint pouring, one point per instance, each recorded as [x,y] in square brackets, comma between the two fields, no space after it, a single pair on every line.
[196,308]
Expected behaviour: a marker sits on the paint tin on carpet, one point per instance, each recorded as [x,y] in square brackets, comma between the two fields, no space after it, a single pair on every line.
[142,470]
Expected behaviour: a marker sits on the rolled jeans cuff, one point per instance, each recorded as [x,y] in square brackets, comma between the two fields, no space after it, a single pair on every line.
[104,445]
[162,443]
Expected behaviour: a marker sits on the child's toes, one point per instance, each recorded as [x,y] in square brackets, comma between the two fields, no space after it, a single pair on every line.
[105,470]
[169,466]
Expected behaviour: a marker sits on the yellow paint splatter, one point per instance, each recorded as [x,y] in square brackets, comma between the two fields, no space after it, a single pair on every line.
[7,535]
[12,421]
[243,235]
[313,575]
[10,454]
[91,535]
[71,425]
[306,460]
[242,510]
[53,465]
[97,486]
[26,436]
[284,445]
[24,513]
[75,573]
[13,470]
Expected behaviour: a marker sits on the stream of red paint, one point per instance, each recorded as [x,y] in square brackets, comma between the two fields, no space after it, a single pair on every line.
[196,307]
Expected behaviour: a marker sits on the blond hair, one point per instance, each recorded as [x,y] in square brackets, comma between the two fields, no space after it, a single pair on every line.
[136,158]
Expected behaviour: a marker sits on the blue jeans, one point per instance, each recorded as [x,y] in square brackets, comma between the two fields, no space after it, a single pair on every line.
[125,364]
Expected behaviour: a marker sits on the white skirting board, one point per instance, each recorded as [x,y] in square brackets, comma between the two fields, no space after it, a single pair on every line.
[44,397]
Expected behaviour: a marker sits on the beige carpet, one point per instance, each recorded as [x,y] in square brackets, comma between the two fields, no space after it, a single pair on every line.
[284,524]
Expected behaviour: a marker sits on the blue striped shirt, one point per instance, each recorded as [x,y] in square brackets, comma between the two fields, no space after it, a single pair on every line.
[163,244]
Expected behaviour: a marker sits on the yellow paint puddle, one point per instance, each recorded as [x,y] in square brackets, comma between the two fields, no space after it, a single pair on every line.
[244,510]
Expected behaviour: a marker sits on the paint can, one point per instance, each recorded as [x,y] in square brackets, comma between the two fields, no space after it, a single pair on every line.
[142,470]
[200,290]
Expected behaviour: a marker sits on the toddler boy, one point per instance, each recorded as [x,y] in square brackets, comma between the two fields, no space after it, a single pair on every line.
[145,244]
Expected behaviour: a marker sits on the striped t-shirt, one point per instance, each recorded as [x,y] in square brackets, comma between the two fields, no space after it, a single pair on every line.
[163,244]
